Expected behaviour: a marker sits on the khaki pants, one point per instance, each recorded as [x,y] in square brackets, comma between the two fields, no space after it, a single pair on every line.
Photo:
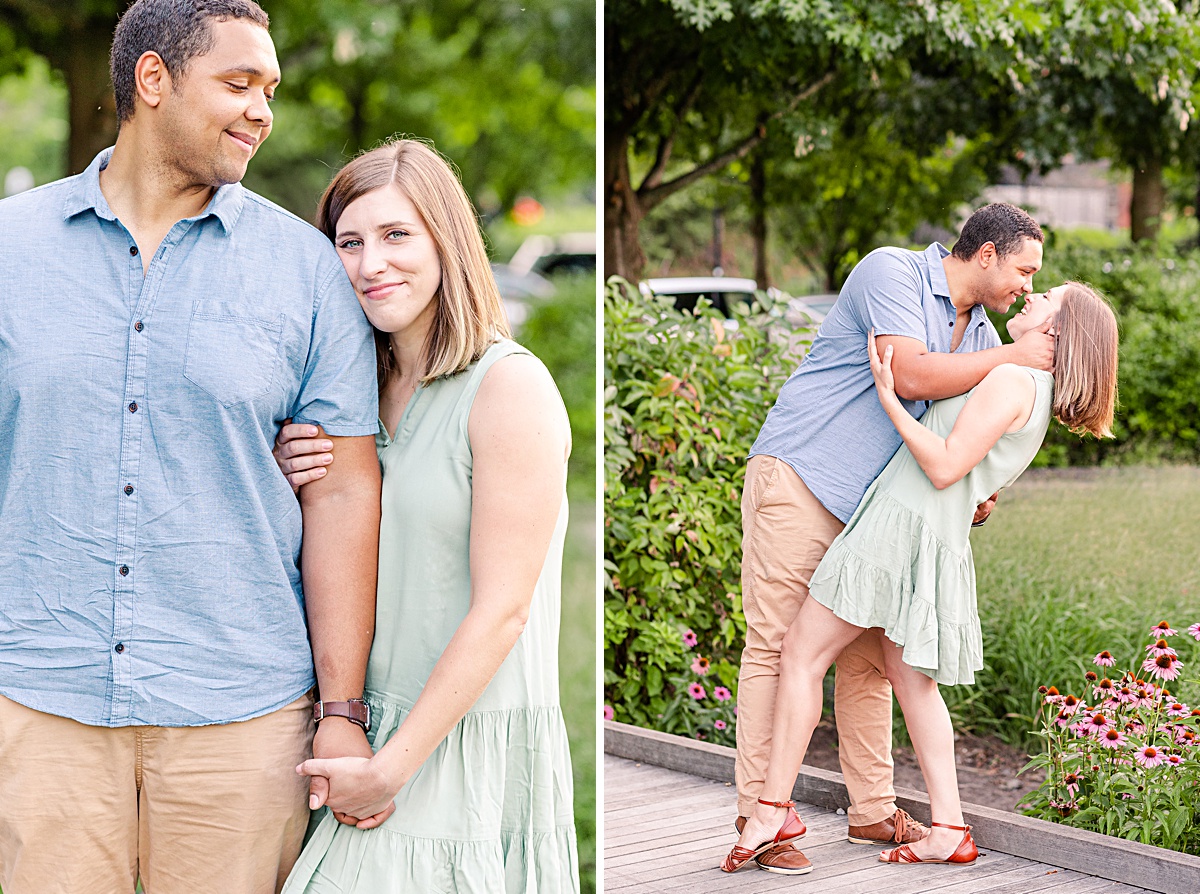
[191,810]
[785,533]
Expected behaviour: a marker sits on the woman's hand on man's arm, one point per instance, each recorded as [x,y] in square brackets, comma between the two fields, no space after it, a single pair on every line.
[302,452]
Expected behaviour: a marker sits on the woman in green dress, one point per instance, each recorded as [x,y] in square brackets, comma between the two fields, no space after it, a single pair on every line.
[903,566]
[469,789]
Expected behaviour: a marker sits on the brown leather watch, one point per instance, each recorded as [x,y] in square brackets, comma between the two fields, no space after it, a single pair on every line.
[355,710]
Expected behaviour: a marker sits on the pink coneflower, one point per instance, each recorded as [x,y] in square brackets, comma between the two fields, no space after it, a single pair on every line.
[1162,628]
[719,725]
[722,694]
[1135,726]
[689,638]
[700,666]
[1149,756]
[1091,677]
[608,712]
[1177,710]
[1071,783]
[1065,808]
[1174,760]
[1143,696]
[1194,630]
[1071,704]
[1104,689]
[1052,696]
[1125,695]
[1104,659]
[1064,717]
[1079,729]
[1111,738]
[1185,737]
[696,691]
[1165,667]
[1159,647]
[1097,723]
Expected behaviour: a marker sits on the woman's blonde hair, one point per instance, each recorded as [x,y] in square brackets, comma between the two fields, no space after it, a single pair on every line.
[1085,361]
[469,314]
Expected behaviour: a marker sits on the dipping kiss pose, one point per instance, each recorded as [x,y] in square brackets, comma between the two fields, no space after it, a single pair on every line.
[902,567]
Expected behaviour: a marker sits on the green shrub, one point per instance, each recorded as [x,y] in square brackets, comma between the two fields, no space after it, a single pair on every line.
[684,399]
[1155,294]
[562,332]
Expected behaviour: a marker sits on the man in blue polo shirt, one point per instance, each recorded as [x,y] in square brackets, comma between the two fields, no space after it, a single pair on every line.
[159,322]
[825,441]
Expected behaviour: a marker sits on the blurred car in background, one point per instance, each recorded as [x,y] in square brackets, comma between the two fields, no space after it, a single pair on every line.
[553,255]
[722,292]
[526,277]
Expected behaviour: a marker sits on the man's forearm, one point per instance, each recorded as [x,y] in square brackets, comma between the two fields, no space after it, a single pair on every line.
[934,376]
[338,568]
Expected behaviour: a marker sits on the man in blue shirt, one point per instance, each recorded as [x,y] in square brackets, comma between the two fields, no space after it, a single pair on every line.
[159,323]
[825,441]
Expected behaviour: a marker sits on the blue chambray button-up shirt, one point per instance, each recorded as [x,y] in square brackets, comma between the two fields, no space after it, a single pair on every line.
[149,545]
[827,423]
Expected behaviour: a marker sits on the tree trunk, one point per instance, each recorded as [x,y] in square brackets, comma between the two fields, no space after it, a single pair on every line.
[92,111]
[623,212]
[758,217]
[1149,197]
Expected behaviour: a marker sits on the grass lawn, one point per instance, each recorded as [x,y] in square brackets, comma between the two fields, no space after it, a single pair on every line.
[1073,562]
[577,675]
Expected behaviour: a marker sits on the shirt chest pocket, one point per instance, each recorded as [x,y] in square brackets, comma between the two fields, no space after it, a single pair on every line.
[232,356]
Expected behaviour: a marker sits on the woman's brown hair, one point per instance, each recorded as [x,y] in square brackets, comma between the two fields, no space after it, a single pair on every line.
[1085,361]
[469,314]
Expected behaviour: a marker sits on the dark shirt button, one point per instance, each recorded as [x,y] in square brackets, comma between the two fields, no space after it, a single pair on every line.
[138,327]
[128,489]
[124,569]
[133,407]
[119,648]
[133,251]
[951,324]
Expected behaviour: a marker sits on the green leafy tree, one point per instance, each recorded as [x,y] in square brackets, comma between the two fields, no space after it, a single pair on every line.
[506,90]
[74,36]
[697,84]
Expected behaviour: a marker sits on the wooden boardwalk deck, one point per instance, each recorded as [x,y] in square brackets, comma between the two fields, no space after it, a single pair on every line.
[666,831]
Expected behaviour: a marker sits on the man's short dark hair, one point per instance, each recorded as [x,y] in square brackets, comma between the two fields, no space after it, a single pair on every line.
[178,30]
[1005,226]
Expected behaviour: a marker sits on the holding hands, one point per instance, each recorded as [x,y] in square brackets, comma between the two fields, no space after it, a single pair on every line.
[351,787]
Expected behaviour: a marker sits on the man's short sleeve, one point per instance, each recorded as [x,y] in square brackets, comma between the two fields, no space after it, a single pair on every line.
[339,390]
[887,295]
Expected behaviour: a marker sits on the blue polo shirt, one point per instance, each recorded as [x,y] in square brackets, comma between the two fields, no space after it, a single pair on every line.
[827,423]
[149,545]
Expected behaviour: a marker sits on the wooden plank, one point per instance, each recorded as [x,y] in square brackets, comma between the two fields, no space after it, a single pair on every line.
[1111,858]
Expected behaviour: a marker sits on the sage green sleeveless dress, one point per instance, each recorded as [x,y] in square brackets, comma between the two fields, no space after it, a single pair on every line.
[490,811]
[903,561]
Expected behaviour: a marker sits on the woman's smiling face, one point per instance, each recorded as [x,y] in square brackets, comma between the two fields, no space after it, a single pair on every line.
[391,259]
[1038,308]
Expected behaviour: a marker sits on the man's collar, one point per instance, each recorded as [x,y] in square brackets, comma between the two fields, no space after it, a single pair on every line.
[86,195]
[937,273]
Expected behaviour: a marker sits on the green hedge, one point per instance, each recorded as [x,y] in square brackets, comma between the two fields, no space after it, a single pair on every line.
[561,331]
[684,399]
[1155,293]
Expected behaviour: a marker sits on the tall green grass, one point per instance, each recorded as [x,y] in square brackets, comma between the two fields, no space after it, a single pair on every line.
[577,678]
[1073,562]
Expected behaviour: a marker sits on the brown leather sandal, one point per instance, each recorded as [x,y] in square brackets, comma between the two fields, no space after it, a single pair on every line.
[965,853]
[792,828]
